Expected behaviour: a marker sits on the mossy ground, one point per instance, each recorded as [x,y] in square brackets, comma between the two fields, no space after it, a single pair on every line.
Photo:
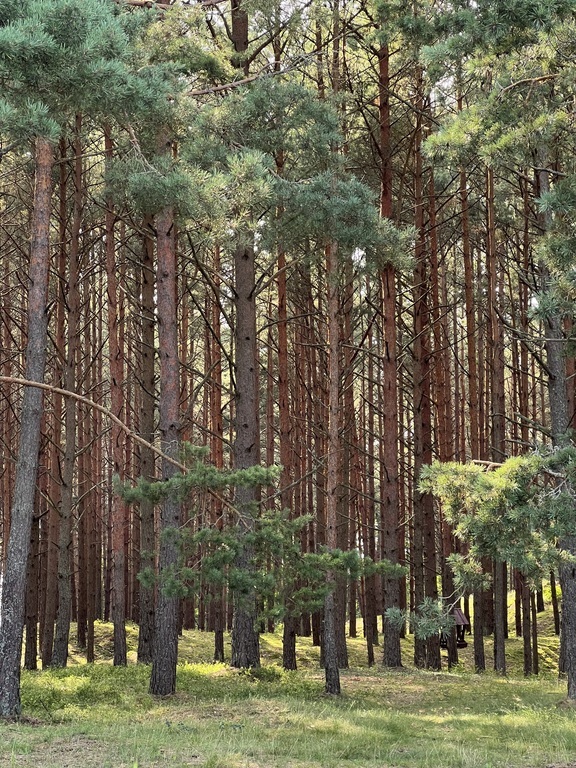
[98,716]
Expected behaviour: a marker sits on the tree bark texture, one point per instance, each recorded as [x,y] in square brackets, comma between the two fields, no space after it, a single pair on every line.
[22,507]
[119,511]
[245,640]
[330,649]
[165,655]
[147,411]
[64,613]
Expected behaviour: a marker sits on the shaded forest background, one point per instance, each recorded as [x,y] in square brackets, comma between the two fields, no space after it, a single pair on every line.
[333,238]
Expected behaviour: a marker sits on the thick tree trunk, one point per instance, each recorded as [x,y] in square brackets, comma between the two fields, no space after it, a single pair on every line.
[22,507]
[245,640]
[165,655]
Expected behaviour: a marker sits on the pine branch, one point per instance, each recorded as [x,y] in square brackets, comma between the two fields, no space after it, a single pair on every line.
[528,81]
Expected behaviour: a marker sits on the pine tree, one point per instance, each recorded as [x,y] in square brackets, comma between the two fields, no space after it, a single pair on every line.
[57,59]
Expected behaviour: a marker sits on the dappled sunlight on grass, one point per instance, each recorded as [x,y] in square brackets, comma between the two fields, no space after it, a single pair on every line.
[269,718]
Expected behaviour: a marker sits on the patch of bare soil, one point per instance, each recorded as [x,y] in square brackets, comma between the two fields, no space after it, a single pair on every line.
[561,765]
[64,753]
[84,752]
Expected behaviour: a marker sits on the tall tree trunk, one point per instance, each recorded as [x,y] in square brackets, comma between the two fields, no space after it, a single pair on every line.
[560,419]
[245,640]
[472,379]
[31,645]
[61,639]
[332,672]
[389,514]
[119,512]
[497,402]
[442,399]
[22,507]
[147,410]
[165,654]
[286,455]
[426,653]
[218,603]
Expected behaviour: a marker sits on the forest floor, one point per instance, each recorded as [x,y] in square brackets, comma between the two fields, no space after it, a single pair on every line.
[98,716]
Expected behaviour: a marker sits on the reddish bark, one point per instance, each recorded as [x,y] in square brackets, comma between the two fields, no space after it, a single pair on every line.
[22,508]
[118,512]
[165,656]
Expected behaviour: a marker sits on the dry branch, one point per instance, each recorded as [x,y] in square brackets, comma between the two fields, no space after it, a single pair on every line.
[102,409]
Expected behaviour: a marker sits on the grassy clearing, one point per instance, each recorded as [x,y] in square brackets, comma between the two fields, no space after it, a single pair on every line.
[98,716]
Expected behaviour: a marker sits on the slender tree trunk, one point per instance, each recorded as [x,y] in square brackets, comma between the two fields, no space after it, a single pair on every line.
[22,507]
[119,512]
[286,456]
[533,613]
[472,380]
[61,639]
[31,646]
[497,399]
[389,514]
[426,653]
[332,672]
[218,605]
[479,654]
[147,410]
[526,627]
[554,599]
[499,625]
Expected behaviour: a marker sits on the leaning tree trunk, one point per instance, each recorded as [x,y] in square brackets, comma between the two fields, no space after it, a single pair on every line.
[22,507]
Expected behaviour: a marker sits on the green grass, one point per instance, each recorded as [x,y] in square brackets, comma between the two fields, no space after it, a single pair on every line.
[98,716]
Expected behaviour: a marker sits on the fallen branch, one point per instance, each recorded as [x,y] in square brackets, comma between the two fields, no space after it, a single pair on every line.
[103,410]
